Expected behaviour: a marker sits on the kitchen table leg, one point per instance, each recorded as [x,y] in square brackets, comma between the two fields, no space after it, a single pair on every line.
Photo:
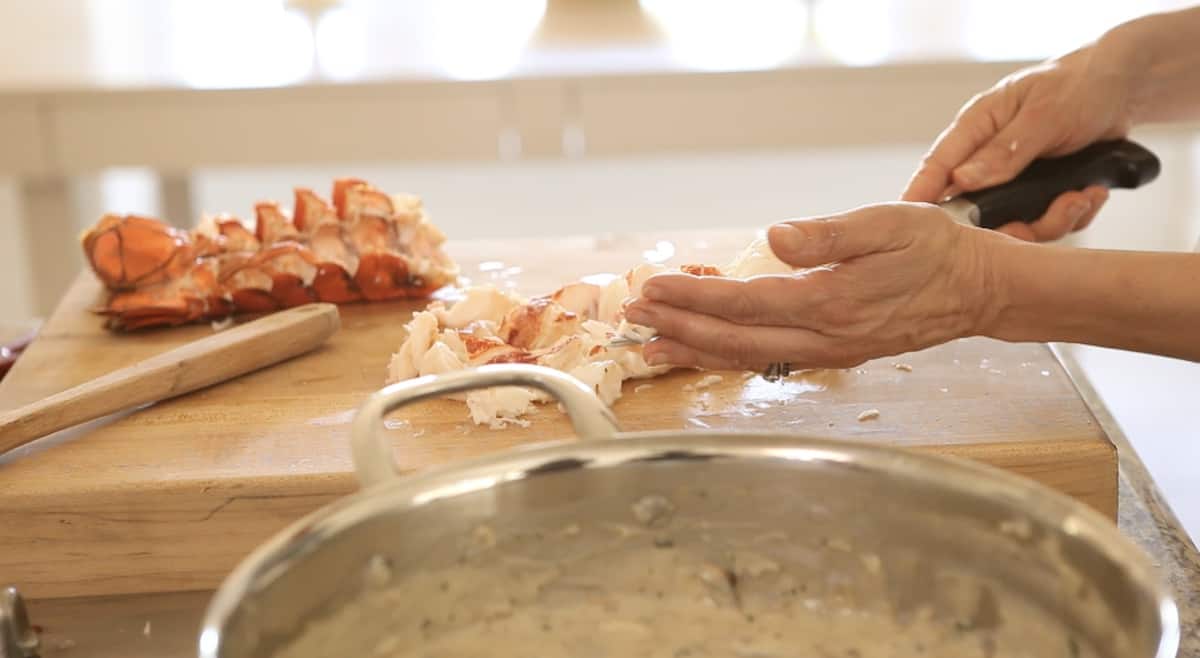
[48,207]
[16,276]
[175,191]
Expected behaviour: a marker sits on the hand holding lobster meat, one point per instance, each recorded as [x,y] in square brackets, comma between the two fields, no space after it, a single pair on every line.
[876,281]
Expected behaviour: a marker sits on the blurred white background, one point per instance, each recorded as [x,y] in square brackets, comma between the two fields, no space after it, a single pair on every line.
[255,43]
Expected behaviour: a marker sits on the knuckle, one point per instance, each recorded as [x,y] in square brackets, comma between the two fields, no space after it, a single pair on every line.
[976,104]
[830,239]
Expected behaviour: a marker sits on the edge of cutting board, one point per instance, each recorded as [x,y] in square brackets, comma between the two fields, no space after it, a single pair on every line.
[197,533]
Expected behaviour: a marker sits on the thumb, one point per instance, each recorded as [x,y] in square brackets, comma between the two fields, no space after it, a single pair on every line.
[1005,155]
[824,240]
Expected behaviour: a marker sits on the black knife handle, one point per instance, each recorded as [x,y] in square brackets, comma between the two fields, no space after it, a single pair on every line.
[1113,164]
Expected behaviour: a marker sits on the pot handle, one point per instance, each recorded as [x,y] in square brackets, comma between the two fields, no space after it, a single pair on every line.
[18,639]
[373,453]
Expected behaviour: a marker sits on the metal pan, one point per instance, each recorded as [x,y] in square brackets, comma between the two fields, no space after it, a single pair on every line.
[854,532]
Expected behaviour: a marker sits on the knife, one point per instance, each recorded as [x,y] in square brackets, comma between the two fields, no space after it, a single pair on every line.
[1114,164]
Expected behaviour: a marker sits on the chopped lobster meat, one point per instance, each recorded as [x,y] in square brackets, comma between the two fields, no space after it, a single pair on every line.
[571,329]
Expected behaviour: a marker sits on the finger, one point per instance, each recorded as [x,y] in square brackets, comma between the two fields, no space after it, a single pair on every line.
[1071,211]
[762,301]
[1018,230]
[928,184]
[1062,216]
[664,351]
[973,126]
[1098,195]
[738,344]
[1003,156]
[825,240]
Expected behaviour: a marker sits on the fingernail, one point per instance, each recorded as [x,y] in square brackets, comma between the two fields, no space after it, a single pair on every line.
[1077,209]
[655,358]
[786,236]
[638,315]
[627,301]
[972,173]
[653,291]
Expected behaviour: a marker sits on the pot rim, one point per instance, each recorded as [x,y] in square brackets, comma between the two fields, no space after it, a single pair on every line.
[957,475]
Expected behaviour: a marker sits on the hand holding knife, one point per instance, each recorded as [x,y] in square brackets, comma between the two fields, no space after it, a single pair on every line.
[1028,196]
[1117,164]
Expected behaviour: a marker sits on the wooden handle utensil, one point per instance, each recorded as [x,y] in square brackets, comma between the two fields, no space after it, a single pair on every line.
[224,355]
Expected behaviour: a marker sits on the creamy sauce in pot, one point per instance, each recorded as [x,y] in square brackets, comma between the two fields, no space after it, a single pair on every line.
[613,591]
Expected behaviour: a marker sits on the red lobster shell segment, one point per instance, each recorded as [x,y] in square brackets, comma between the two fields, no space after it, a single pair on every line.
[364,246]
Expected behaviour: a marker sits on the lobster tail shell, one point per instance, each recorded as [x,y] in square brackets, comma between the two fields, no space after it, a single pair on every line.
[340,187]
[335,285]
[130,251]
[359,248]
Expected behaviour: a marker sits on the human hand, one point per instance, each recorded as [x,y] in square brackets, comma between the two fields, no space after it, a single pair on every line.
[888,279]
[1052,109]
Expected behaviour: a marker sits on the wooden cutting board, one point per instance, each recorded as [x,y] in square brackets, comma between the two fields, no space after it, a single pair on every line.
[171,496]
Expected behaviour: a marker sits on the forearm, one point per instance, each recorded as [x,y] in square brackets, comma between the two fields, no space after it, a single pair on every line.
[1141,301]
[1160,56]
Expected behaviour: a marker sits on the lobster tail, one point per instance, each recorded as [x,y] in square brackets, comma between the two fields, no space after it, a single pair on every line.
[358,248]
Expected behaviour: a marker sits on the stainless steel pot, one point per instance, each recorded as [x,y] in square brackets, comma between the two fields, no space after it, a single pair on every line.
[854,527]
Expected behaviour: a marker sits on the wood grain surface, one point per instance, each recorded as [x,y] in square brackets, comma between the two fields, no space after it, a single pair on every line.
[171,496]
[199,364]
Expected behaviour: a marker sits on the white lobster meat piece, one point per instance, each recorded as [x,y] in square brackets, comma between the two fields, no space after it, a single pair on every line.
[537,324]
[567,353]
[634,332]
[422,331]
[452,339]
[755,260]
[486,351]
[636,277]
[439,358]
[596,331]
[497,407]
[482,329]
[581,298]
[478,304]
[609,308]
[634,364]
[604,377]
